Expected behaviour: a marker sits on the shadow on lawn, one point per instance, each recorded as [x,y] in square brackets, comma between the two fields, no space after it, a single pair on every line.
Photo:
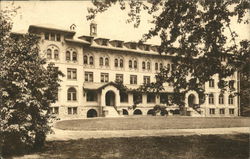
[173,147]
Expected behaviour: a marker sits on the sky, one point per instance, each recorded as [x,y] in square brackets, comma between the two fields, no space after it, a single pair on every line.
[110,24]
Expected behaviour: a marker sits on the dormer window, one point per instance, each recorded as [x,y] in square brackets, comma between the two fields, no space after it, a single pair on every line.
[147,47]
[133,46]
[104,43]
[52,36]
[119,44]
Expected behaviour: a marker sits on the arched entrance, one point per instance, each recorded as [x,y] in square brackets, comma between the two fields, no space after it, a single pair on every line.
[110,98]
[91,113]
[191,100]
[124,112]
[150,112]
[137,112]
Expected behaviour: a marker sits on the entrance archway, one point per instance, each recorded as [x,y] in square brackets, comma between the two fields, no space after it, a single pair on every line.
[137,112]
[150,112]
[124,112]
[110,98]
[191,100]
[91,113]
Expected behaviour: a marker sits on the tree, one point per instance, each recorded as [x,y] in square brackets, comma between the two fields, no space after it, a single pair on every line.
[195,34]
[27,89]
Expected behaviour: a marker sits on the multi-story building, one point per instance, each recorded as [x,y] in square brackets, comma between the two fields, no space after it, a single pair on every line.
[92,64]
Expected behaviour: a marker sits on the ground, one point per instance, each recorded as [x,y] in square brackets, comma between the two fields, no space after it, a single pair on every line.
[169,147]
[148,137]
[152,122]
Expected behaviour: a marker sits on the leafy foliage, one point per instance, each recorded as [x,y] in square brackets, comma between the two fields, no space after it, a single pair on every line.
[194,33]
[27,89]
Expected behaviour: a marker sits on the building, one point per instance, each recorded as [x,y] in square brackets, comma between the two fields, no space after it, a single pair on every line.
[92,64]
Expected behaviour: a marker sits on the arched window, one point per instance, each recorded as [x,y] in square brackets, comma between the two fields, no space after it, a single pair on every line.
[67,55]
[85,59]
[130,63]
[161,66]
[101,61]
[156,66]
[230,99]
[143,65]
[221,99]
[121,63]
[72,94]
[49,54]
[135,64]
[74,57]
[116,62]
[148,65]
[91,60]
[211,99]
[56,54]
[106,61]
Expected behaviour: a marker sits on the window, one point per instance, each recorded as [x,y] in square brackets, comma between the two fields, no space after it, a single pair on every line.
[143,65]
[211,83]
[146,79]
[54,110]
[231,84]
[135,64]
[123,97]
[212,111]
[133,79]
[130,63]
[222,111]
[137,98]
[168,67]
[221,99]
[71,73]
[104,77]
[148,65]
[163,98]
[85,59]
[121,63]
[231,111]
[133,46]
[211,99]
[119,78]
[101,61]
[89,77]
[74,58]
[46,36]
[91,96]
[156,66]
[106,61]
[56,54]
[58,37]
[230,99]
[116,62]
[67,55]
[49,54]
[161,66]
[91,60]
[71,94]
[72,110]
[52,36]
[150,98]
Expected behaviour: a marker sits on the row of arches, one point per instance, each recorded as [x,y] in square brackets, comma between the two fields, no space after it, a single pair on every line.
[93,113]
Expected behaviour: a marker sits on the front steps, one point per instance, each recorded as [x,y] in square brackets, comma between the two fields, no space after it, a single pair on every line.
[110,111]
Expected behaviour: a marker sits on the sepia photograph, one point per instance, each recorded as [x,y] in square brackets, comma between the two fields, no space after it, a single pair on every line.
[125,79]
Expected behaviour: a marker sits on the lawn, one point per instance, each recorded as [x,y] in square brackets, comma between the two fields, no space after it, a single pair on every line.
[171,147]
[152,122]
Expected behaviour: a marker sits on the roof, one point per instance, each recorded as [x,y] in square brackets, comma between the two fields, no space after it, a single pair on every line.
[79,41]
[33,28]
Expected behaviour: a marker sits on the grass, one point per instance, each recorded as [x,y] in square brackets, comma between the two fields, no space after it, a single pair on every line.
[171,147]
[152,122]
